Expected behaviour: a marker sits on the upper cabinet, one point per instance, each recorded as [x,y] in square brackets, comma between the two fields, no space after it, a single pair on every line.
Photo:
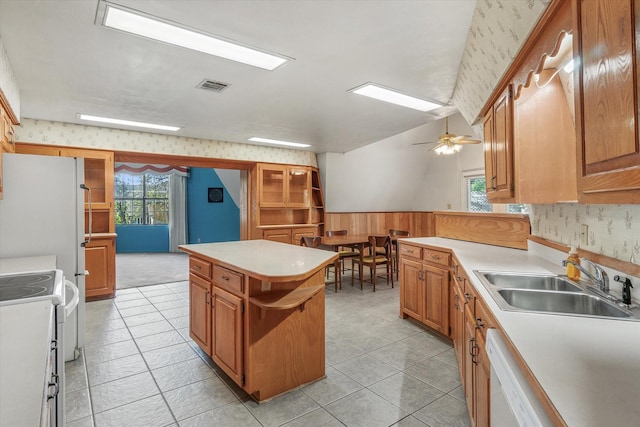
[529,130]
[286,202]
[7,140]
[498,148]
[607,115]
[284,186]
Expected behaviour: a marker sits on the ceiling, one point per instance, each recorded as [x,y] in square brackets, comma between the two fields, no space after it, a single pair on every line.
[65,64]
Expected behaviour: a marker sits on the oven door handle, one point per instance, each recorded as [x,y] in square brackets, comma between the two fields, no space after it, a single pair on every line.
[88,190]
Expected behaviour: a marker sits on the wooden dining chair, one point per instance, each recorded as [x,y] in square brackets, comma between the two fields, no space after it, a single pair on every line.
[395,234]
[345,252]
[314,242]
[375,257]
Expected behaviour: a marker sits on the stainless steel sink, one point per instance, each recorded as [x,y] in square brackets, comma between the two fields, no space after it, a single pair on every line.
[561,302]
[530,281]
[550,294]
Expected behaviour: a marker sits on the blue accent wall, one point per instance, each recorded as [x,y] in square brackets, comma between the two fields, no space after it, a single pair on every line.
[207,222]
[210,222]
[142,238]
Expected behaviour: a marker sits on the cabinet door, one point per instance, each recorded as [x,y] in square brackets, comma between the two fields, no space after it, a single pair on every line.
[411,289]
[227,333]
[200,312]
[470,348]
[498,133]
[272,185]
[436,298]
[298,233]
[459,303]
[282,235]
[298,185]
[482,390]
[608,150]
[100,257]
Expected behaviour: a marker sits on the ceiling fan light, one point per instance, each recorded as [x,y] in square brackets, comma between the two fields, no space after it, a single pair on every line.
[448,149]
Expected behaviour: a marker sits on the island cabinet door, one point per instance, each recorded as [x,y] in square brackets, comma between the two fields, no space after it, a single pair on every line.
[227,333]
[412,290]
[200,312]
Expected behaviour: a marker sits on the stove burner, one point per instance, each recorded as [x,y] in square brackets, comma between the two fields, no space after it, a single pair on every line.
[26,285]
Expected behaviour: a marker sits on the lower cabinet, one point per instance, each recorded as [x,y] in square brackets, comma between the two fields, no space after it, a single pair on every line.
[424,287]
[227,333]
[436,291]
[289,235]
[200,312]
[100,256]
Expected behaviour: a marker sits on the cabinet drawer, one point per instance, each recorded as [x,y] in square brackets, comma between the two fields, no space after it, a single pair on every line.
[436,257]
[228,279]
[410,251]
[484,320]
[200,267]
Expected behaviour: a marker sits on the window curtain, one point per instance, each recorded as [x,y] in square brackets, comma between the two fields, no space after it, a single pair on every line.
[177,211]
[177,197]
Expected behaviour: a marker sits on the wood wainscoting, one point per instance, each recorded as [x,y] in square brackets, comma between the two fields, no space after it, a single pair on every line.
[419,224]
[509,230]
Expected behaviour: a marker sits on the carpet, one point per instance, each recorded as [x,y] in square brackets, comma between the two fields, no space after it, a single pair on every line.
[143,269]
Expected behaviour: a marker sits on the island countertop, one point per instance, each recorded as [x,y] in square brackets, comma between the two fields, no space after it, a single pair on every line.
[264,259]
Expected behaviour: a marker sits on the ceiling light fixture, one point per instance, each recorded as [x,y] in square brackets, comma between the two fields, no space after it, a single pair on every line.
[448,149]
[382,93]
[277,142]
[126,122]
[134,22]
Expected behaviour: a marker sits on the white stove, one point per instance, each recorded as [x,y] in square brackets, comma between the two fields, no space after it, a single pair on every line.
[22,287]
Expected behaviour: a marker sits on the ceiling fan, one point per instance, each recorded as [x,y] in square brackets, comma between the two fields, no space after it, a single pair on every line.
[449,143]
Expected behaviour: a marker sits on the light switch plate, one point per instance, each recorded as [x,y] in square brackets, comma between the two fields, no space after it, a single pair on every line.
[584,235]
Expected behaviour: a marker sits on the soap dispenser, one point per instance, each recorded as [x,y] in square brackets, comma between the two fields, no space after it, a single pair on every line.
[572,272]
[626,288]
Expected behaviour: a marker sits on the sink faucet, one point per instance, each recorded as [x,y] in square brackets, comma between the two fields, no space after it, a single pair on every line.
[601,277]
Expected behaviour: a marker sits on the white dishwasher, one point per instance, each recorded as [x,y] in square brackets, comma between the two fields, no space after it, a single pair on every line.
[512,400]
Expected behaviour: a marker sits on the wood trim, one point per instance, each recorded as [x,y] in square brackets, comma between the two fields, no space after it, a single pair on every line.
[607,261]
[525,50]
[419,224]
[4,102]
[172,159]
[509,230]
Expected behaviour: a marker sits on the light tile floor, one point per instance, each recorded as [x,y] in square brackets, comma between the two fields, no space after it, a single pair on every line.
[140,368]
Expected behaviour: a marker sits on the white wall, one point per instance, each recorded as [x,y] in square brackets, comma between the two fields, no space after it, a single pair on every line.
[394,175]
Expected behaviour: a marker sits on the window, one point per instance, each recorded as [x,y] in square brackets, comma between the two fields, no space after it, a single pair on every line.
[141,199]
[475,192]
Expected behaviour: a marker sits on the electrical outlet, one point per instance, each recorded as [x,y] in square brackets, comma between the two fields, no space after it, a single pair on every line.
[584,235]
[448,205]
[266,286]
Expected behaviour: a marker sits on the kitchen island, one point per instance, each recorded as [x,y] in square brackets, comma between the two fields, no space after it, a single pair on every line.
[256,307]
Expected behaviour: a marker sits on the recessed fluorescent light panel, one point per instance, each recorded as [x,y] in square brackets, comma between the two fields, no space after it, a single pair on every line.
[126,122]
[131,21]
[277,142]
[381,93]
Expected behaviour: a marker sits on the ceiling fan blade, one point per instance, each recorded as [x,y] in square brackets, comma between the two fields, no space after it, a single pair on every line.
[464,139]
[437,146]
[424,143]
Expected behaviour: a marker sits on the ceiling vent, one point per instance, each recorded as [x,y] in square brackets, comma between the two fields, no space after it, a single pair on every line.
[213,85]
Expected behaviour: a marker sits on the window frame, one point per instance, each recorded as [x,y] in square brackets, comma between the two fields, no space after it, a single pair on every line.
[144,199]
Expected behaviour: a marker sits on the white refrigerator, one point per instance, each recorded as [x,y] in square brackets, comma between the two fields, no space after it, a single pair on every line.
[42,213]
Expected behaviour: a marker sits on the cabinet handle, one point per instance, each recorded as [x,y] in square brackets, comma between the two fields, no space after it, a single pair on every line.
[471,344]
[208,300]
[467,297]
[197,267]
[494,186]
[479,323]
[473,351]
[225,278]
[56,386]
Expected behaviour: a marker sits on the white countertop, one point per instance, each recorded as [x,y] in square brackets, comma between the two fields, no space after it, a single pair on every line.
[264,259]
[25,337]
[589,368]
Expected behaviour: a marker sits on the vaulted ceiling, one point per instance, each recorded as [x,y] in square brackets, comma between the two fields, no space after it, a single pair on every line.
[66,64]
